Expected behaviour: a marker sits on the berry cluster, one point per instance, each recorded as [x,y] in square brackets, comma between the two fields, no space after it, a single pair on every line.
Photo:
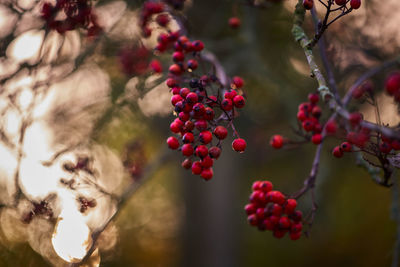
[78,14]
[199,111]
[354,4]
[271,210]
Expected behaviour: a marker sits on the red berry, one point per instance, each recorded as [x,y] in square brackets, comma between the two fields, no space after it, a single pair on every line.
[234,22]
[265,186]
[205,137]
[188,138]
[214,152]
[277,210]
[192,98]
[220,132]
[239,101]
[207,174]
[250,208]
[276,197]
[227,104]
[296,227]
[316,139]
[175,69]
[201,125]
[296,216]
[337,152]
[175,99]
[238,82]
[209,114]
[313,98]
[197,45]
[173,142]
[316,112]
[301,115]
[201,151]
[279,233]
[395,144]
[183,92]
[284,223]
[331,127]
[345,146]
[207,162]
[192,64]
[355,4]
[276,141]
[175,127]
[252,219]
[171,82]
[178,56]
[196,167]
[239,145]
[355,118]
[392,84]
[308,125]
[187,150]
[155,65]
[183,116]
[308,4]
[290,206]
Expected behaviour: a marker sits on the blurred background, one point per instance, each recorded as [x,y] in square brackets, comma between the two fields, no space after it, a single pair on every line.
[176,218]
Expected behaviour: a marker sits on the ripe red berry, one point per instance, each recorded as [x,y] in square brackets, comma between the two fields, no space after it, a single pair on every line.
[308,4]
[355,4]
[313,98]
[173,142]
[227,104]
[276,141]
[277,210]
[250,208]
[209,114]
[175,69]
[155,65]
[239,101]
[395,144]
[205,137]
[276,197]
[207,174]
[316,112]
[291,205]
[183,92]
[279,233]
[239,145]
[308,125]
[345,146]
[196,167]
[207,162]
[337,152]
[178,56]
[252,219]
[192,64]
[234,22]
[197,45]
[201,125]
[187,150]
[201,151]
[284,222]
[355,118]
[265,186]
[220,132]
[175,99]
[301,115]
[188,138]
[171,82]
[214,152]
[392,84]
[192,98]
[331,127]
[316,139]
[238,82]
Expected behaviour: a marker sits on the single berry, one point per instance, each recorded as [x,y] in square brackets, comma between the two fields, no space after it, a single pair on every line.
[214,152]
[355,4]
[276,141]
[239,145]
[187,150]
[337,152]
[316,139]
[308,4]
[239,101]
[238,82]
[207,174]
[173,142]
[234,22]
[220,132]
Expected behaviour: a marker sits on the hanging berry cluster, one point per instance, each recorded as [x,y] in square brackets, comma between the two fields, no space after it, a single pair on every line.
[200,110]
[271,210]
[203,113]
[79,14]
